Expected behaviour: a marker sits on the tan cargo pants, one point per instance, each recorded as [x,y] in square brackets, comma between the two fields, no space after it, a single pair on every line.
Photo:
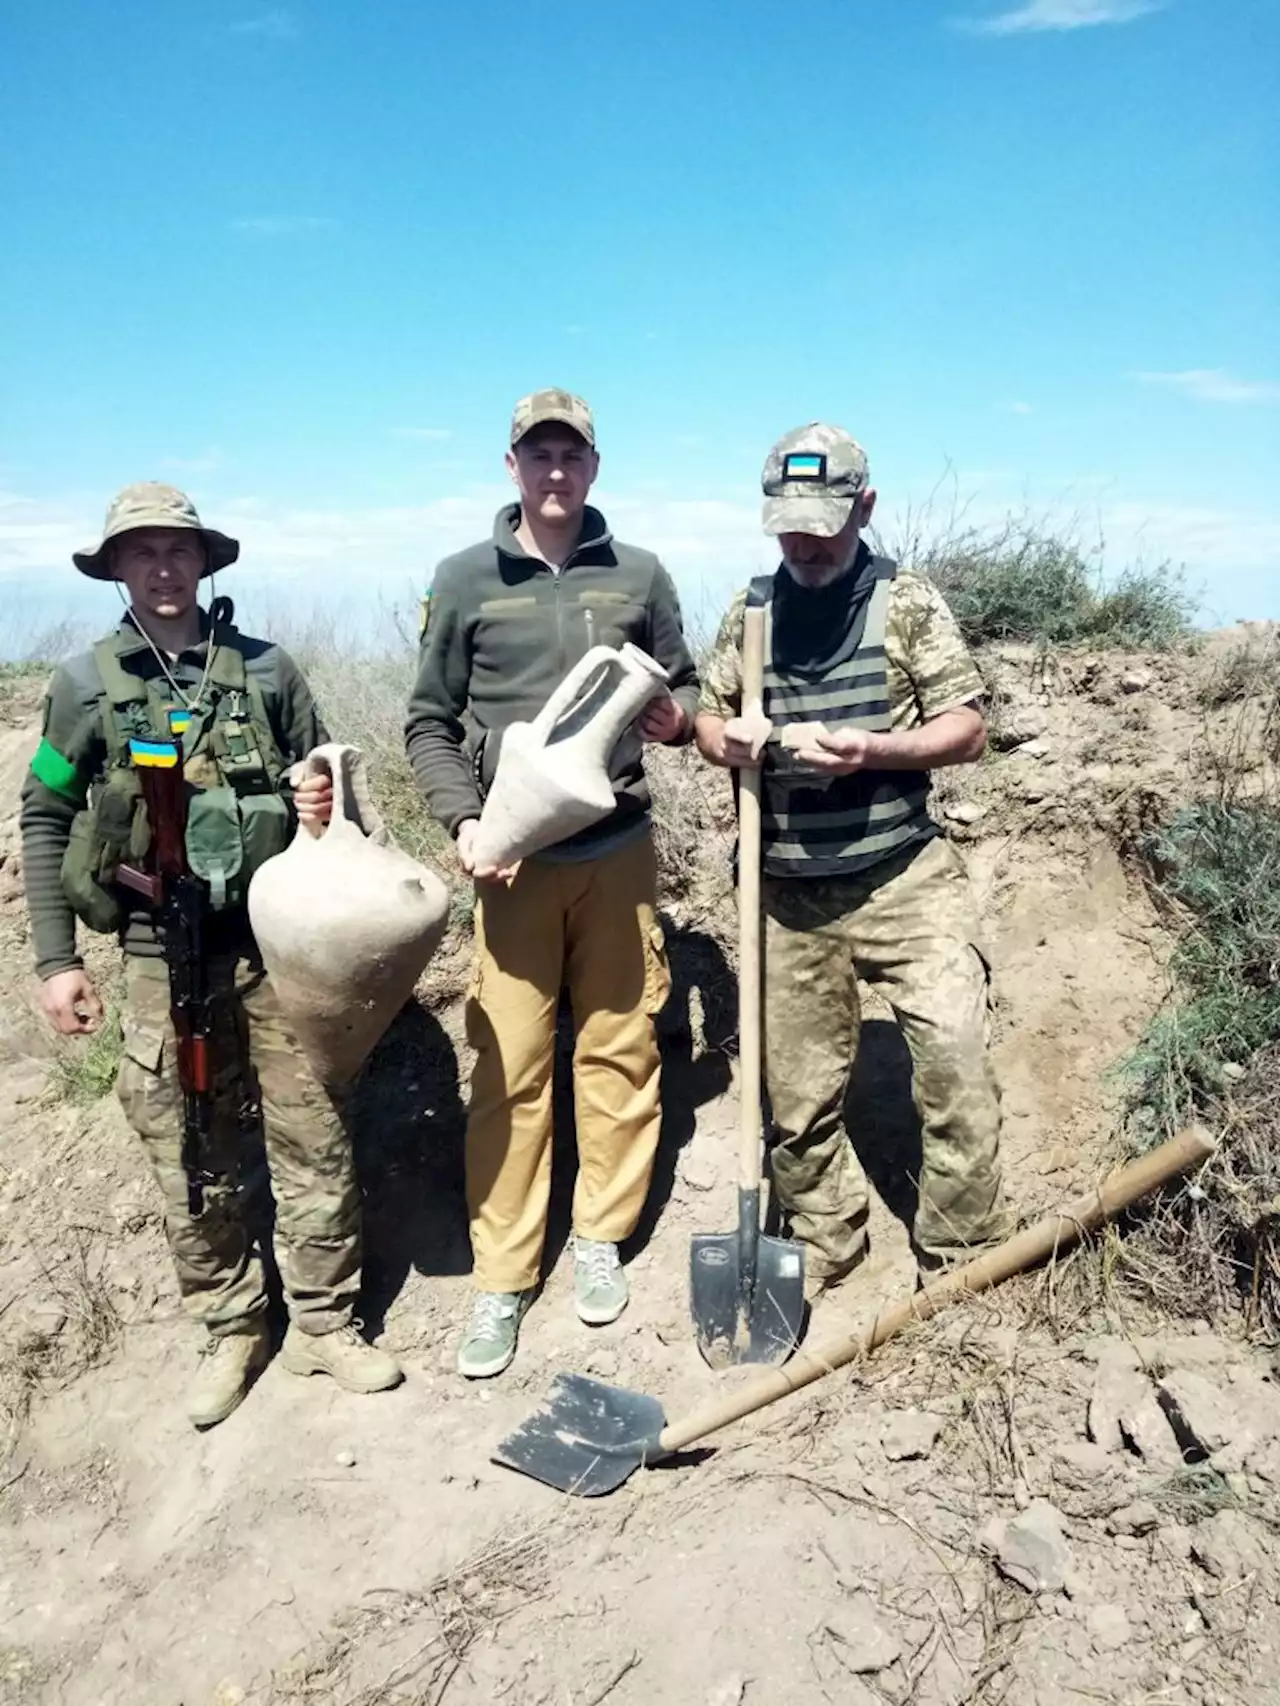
[908,928]
[592,926]
[317,1240]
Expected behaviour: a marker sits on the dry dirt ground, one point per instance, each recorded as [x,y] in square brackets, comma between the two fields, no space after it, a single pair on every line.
[937,1526]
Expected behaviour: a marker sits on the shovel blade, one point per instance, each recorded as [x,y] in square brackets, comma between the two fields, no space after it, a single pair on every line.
[738,1323]
[587,1438]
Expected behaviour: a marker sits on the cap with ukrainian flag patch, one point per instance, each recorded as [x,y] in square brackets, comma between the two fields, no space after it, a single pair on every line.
[812,478]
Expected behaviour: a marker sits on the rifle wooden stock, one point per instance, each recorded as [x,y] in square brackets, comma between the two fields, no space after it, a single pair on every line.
[179,902]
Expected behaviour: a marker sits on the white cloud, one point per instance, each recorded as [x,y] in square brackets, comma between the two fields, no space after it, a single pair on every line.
[276,25]
[286,225]
[1213,385]
[435,435]
[303,558]
[1040,15]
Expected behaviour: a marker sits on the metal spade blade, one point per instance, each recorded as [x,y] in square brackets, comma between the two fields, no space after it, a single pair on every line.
[746,1291]
[586,1438]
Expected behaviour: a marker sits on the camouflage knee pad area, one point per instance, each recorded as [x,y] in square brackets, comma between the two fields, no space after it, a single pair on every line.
[256,1056]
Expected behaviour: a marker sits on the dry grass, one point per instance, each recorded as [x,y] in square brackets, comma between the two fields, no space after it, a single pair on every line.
[431,1630]
[75,1328]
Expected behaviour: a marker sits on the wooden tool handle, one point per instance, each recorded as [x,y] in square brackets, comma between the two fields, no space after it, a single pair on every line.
[749,1003]
[1056,1232]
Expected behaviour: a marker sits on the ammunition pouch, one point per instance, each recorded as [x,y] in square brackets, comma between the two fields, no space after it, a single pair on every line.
[229,836]
[112,830]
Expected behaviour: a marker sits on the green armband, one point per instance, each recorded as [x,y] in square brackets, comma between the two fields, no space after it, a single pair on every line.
[58,774]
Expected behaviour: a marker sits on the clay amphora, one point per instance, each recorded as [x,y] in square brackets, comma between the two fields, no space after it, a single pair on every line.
[346,922]
[553,773]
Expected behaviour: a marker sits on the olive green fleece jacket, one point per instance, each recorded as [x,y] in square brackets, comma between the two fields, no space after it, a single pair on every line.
[502,629]
[73,753]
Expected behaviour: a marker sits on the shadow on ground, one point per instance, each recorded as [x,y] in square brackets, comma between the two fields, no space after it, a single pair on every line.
[408,1123]
[696,1030]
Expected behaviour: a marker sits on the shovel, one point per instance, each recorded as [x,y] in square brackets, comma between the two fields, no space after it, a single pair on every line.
[746,1291]
[588,1437]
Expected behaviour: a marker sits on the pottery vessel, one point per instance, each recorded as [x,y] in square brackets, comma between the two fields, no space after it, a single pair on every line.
[552,777]
[345,921]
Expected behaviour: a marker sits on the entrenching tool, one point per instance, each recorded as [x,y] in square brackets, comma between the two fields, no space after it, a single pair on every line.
[746,1290]
[588,1437]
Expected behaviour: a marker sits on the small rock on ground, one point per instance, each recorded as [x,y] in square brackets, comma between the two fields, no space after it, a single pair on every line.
[908,1434]
[965,811]
[1109,1627]
[1033,1551]
[1141,1517]
[860,1638]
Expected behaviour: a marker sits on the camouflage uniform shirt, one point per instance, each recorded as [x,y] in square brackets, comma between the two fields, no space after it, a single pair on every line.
[929,667]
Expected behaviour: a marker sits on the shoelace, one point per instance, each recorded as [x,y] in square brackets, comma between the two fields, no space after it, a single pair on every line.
[600,1261]
[490,1313]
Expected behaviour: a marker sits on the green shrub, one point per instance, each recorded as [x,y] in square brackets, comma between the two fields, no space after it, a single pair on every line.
[1218,866]
[1025,582]
[1211,1245]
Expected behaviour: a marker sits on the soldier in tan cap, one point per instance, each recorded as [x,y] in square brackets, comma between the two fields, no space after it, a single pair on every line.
[866,666]
[243,715]
[504,622]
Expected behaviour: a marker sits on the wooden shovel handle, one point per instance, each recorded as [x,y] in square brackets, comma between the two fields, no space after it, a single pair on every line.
[749,1002]
[1056,1232]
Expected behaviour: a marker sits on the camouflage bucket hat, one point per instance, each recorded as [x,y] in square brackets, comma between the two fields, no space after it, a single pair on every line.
[812,478]
[152,505]
[560,406]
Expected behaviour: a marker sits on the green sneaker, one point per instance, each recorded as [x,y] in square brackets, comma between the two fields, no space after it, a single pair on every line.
[491,1337]
[599,1284]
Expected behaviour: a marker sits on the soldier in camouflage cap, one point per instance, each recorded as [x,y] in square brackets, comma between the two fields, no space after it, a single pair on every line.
[560,407]
[800,503]
[870,682]
[503,623]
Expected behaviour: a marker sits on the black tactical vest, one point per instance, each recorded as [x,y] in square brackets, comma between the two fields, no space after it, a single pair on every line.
[836,827]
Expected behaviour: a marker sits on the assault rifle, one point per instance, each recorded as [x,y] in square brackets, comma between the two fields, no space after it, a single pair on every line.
[180,903]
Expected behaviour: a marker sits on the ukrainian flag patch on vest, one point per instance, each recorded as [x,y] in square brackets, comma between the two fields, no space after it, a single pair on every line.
[153,754]
[179,720]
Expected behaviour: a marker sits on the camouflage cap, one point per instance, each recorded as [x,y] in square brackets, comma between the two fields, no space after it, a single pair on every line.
[812,478]
[561,406]
[151,505]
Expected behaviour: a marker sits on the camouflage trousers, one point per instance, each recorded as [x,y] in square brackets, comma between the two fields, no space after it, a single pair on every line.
[256,1059]
[909,929]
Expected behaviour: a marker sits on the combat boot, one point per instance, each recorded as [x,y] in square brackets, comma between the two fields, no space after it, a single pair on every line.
[229,1365]
[353,1362]
[822,1275]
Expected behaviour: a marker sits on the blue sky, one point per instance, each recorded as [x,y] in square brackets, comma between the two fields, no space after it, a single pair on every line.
[301,259]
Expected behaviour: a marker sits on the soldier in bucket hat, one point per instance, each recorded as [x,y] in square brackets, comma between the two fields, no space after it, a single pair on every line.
[244,715]
[866,664]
